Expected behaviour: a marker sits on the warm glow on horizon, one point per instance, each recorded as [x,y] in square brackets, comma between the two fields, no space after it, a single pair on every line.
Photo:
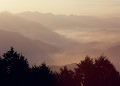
[43,31]
[78,7]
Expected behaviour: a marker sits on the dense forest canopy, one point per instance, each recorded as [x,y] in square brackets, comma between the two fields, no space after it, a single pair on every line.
[15,71]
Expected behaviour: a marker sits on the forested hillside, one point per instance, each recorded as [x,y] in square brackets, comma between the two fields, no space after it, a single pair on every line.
[15,71]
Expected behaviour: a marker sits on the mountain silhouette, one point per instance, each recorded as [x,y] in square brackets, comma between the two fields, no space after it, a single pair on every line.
[71,22]
[35,50]
[34,30]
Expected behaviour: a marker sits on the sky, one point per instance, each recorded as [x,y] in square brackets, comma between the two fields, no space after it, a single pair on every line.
[68,7]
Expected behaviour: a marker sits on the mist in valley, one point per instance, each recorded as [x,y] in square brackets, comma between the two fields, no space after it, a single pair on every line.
[60,39]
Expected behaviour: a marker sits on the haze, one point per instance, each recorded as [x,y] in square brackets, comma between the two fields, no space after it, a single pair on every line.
[61,32]
[77,7]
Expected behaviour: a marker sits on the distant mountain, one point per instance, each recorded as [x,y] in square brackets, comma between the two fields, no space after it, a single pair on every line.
[114,54]
[69,66]
[75,52]
[35,50]
[112,15]
[114,50]
[30,29]
[80,36]
[70,22]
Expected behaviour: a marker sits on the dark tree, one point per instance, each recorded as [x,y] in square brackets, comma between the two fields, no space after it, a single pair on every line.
[17,68]
[42,75]
[15,71]
[85,72]
[107,75]
[66,77]
[3,72]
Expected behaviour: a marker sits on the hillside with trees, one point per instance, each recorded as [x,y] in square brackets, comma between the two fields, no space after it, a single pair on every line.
[15,71]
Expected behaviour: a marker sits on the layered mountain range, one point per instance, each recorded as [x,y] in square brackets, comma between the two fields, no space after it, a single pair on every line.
[60,39]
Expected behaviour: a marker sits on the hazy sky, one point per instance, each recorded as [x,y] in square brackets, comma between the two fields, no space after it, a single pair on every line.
[80,7]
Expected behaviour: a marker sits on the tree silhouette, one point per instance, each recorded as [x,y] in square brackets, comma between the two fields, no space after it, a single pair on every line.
[15,71]
[42,75]
[3,72]
[100,72]
[85,72]
[17,68]
[107,75]
[66,77]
